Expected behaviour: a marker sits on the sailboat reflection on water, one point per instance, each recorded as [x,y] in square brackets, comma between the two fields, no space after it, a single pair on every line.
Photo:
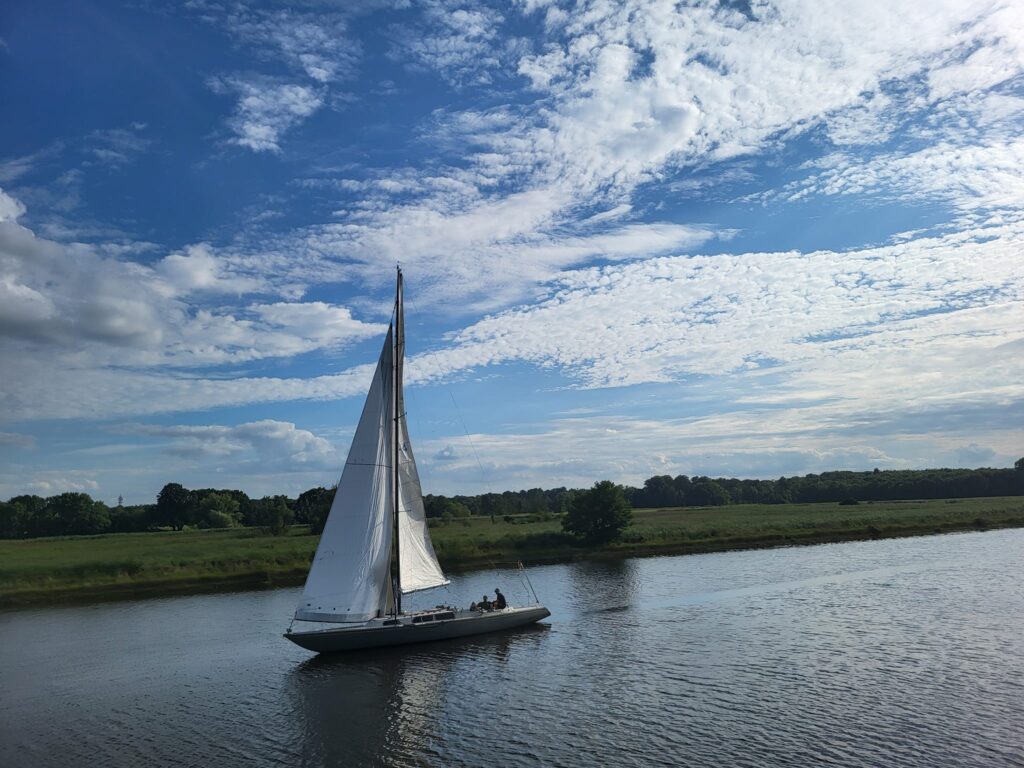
[376,545]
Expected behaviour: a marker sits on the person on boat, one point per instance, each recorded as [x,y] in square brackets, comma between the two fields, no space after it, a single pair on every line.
[484,604]
[499,600]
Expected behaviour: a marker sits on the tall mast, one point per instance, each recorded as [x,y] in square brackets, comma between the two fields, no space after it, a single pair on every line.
[396,383]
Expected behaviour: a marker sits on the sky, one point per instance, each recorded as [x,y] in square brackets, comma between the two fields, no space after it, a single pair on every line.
[744,239]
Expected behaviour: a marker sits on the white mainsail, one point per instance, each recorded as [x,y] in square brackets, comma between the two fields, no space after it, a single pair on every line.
[348,580]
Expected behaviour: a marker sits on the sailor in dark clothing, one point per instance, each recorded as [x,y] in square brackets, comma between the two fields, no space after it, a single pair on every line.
[484,604]
[499,600]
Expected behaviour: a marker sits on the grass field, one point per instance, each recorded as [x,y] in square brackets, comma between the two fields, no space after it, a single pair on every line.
[139,564]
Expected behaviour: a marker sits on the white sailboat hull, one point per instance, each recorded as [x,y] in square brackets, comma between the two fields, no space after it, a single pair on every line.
[381,633]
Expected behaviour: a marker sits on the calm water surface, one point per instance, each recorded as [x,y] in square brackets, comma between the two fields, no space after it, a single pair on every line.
[887,653]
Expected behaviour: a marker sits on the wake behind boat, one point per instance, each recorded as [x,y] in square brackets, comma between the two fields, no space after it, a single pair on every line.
[376,546]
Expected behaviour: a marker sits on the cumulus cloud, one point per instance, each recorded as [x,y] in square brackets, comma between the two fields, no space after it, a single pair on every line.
[53,483]
[196,268]
[10,208]
[278,442]
[72,311]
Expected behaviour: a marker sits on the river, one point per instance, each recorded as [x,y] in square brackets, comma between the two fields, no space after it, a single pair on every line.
[906,652]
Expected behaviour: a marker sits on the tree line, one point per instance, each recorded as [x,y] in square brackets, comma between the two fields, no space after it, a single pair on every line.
[177,507]
[876,485]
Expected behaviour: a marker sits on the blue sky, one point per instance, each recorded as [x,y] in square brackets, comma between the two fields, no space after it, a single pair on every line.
[721,238]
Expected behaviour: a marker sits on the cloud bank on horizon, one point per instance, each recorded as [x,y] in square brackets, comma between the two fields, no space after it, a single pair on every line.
[730,238]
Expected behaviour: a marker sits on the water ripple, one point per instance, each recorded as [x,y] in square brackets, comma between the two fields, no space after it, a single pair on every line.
[890,653]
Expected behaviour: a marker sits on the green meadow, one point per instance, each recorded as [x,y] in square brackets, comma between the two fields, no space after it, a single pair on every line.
[36,571]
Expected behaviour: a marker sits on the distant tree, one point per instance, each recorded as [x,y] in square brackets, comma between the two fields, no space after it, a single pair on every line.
[534,501]
[600,514]
[660,491]
[455,508]
[442,506]
[312,508]
[174,506]
[10,525]
[77,514]
[218,510]
[274,515]
[137,517]
[707,493]
[1019,464]
[32,516]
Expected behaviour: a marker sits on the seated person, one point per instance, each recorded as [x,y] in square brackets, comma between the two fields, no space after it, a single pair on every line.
[499,600]
[484,604]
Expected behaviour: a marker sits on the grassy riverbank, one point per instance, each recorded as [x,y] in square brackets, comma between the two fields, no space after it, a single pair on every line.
[38,571]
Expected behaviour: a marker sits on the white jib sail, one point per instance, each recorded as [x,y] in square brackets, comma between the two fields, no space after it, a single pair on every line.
[418,563]
[349,578]
[418,566]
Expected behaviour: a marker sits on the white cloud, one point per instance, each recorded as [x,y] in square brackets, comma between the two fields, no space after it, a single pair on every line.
[973,176]
[823,321]
[312,45]
[267,108]
[460,40]
[731,441]
[994,53]
[277,444]
[116,146]
[493,254]
[317,44]
[51,483]
[665,318]
[630,95]
[11,209]
[69,314]
[196,268]
[317,321]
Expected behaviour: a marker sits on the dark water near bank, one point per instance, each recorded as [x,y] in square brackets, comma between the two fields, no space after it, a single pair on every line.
[889,653]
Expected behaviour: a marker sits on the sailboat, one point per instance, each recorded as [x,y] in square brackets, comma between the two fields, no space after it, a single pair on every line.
[375,545]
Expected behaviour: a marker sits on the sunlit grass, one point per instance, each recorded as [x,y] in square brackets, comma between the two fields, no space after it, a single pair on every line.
[42,569]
